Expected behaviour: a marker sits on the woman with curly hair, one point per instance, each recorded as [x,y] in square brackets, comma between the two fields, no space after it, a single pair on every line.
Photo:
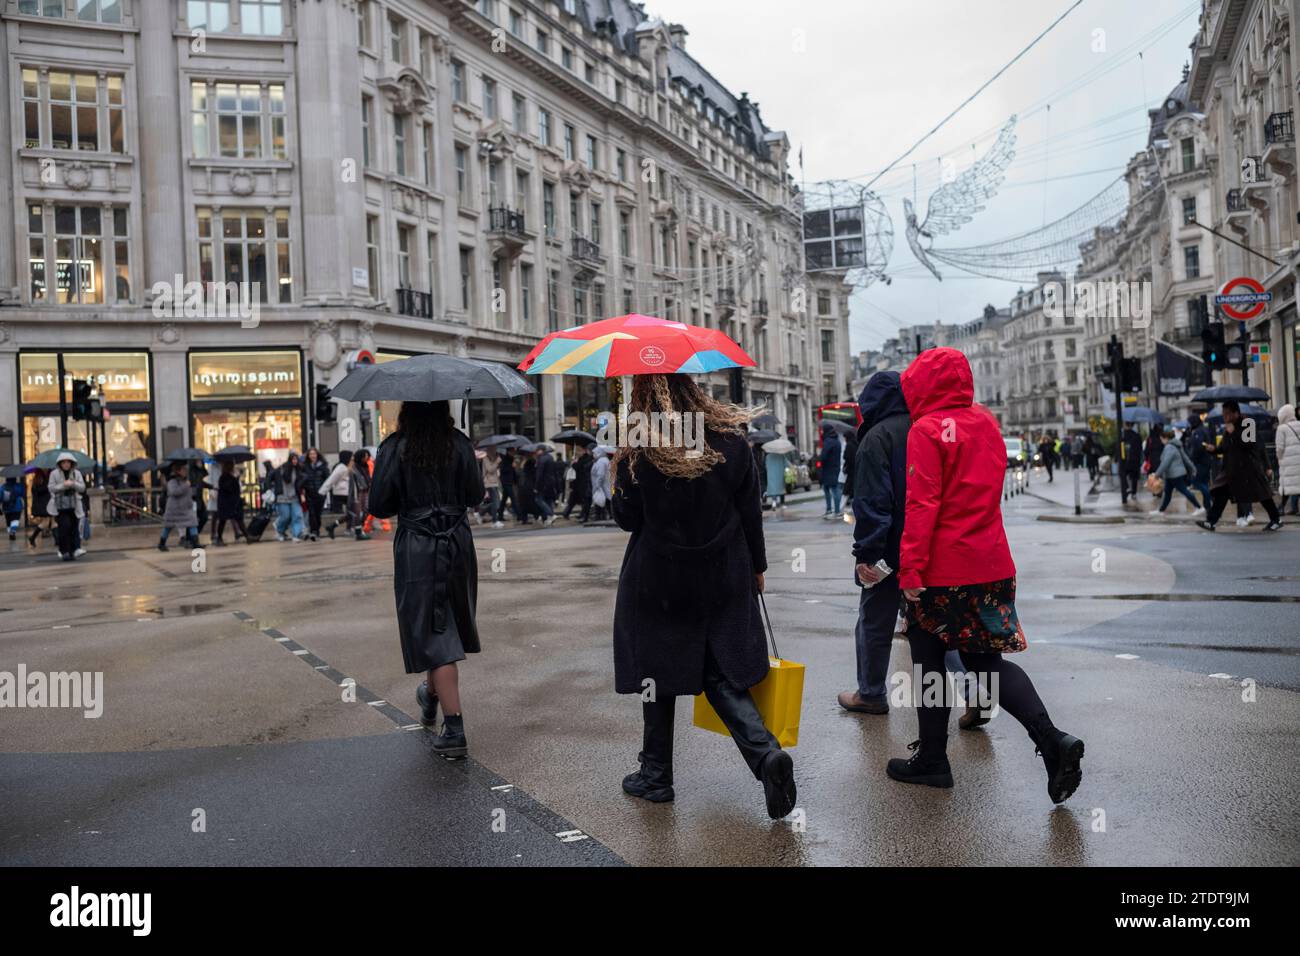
[687,617]
[426,474]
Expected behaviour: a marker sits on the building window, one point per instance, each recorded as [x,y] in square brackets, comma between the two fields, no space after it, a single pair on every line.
[431,259]
[588,72]
[566,58]
[405,242]
[520,113]
[367,123]
[210,15]
[570,148]
[624,234]
[544,126]
[428,154]
[522,189]
[489,98]
[396,39]
[620,164]
[78,111]
[553,301]
[89,244]
[516,23]
[526,293]
[628,303]
[462,174]
[249,121]
[1189,210]
[593,153]
[548,208]
[248,247]
[487,8]
[823,303]
[261,17]
[466,276]
[400,122]
[595,223]
[1192,260]
[1188,145]
[372,254]
[457,81]
[543,43]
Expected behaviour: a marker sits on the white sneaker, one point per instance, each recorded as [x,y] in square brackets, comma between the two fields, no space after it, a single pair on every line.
[1242,522]
[278,536]
[498,524]
[549,521]
[79,552]
[1155,510]
[1198,513]
[1250,518]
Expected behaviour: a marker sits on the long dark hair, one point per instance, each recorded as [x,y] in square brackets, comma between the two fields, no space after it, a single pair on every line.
[426,428]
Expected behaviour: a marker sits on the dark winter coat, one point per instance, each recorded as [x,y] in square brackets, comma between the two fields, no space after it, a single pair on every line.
[40,499]
[230,500]
[687,583]
[1132,451]
[582,476]
[850,453]
[435,569]
[1243,468]
[830,459]
[880,471]
[314,475]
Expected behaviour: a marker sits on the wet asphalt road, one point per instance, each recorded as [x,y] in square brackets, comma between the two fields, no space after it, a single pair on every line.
[210,707]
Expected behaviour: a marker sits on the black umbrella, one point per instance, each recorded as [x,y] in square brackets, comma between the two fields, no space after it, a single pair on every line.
[761,435]
[766,420]
[501,441]
[185,454]
[431,378]
[13,471]
[571,436]
[235,453]
[1215,417]
[139,466]
[1222,393]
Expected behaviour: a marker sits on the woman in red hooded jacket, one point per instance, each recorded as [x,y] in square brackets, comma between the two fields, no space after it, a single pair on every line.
[956,571]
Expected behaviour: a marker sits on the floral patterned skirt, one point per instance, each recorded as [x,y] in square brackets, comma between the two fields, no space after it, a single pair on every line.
[977,618]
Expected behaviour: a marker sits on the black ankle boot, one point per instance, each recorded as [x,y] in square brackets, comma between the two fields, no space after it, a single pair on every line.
[451,742]
[1062,755]
[928,764]
[653,782]
[428,705]
[777,774]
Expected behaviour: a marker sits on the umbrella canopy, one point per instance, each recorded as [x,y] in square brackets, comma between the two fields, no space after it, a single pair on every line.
[841,428]
[46,459]
[779,446]
[13,471]
[502,441]
[139,466]
[574,437]
[431,378]
[1221,393]
[761,435]
[634,345]
[766,420]
[1141,415]
[185,454]
[235,453]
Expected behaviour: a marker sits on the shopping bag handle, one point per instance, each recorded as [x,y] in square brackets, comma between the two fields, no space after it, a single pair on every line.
[768,621]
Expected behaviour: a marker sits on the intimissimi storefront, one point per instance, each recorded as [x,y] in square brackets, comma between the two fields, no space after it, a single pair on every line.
[248,397]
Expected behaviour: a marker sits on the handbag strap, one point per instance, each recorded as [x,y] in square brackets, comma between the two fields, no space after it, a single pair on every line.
[768,621]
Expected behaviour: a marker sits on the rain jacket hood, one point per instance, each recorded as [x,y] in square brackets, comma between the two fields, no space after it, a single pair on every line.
[937,379]
[881,398]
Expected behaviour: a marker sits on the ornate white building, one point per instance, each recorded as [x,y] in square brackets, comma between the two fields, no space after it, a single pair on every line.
[390,178]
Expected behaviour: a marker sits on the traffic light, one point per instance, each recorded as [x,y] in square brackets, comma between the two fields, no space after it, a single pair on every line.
[1130,375]
[1234,354]
[324,407]
[1212,350]
[80,400]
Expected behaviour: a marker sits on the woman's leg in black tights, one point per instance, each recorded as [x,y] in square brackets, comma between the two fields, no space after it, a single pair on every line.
[1007,686]
[927,653]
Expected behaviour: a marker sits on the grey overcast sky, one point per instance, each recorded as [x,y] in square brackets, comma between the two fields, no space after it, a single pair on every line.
[856,83]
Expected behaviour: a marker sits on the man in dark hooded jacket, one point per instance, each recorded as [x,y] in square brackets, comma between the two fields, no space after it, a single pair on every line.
[879,499]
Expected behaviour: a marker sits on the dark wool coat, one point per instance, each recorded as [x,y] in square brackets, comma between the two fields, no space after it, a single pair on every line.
[230,502]
[1243,468]
[880,473]
[687,582]
[435,569]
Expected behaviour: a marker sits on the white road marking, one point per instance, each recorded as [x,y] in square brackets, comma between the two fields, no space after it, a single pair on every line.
[572,836]
[60,627]
[1222,676]
[301,651]
[505,786]
[1127,657]
[376,703]
[282,639]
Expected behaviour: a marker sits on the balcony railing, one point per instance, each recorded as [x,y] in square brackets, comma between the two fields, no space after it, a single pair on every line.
[507,220]
[758,307]
[1279,128]
[583,248]
[794,371]
[726,296]
[1234,202]
[416,304]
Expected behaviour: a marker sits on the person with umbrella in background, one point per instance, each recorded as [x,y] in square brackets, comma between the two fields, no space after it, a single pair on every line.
[957,575]
[491,467]
[1198,442]
[230,505]
[40,507]
[509,478]
[336,486]
[1245,476]
[180,511]
[830,470]
[66,489]
[1130,467]
[427,476]
[13,496]
[580,490]
[687,616]
[774,472]
[600,490]
[544,485]
[1288,459]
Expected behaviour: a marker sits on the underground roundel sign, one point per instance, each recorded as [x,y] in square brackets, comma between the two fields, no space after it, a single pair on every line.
[653,356]
[1245,304]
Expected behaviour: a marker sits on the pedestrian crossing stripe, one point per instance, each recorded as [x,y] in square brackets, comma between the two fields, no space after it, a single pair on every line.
[571,836]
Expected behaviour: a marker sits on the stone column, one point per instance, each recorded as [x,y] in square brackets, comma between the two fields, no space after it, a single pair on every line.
[160,149]
[9,280]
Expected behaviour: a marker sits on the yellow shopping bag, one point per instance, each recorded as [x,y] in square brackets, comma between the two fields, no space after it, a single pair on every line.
[779,697]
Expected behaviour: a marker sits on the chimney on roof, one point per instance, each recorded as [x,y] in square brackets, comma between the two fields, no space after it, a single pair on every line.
[678,34]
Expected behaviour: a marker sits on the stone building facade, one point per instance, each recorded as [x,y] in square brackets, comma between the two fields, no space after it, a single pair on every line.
[380,179]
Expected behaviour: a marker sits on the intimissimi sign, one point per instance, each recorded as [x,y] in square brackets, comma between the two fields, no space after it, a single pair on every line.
[245,375]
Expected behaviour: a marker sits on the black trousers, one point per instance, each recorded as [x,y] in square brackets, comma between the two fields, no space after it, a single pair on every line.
[236,523]
[734,705]
[315,505]
[1129,477]
[67,531]
[578,499]
[1013,691]
[1219,498]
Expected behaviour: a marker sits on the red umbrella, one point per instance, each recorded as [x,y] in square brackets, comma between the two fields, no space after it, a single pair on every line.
[634,345]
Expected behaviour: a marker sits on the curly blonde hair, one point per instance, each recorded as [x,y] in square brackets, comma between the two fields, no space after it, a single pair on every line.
[678,393]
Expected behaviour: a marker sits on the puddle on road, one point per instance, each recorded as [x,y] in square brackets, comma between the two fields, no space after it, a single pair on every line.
[183,610]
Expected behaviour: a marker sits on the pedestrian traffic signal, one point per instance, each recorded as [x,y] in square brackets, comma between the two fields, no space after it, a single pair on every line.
[324,407]
[1235,354]
[80,400]
[1212,345]
[1130,375]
